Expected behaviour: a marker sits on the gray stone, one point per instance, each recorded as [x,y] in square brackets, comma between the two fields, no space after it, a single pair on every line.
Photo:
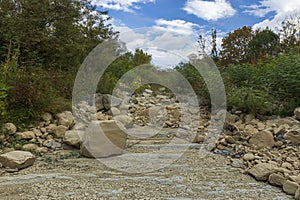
[262,171]
[262,139]
[103,139]
[9,128]
[276,180]
[53,145]
[290,187]
[17,159]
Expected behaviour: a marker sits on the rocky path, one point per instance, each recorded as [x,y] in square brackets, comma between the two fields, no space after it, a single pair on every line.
[190,177]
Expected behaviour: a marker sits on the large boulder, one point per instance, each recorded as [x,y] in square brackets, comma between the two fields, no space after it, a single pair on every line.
[262,171]
[262,139]
[103,138]
[17,159]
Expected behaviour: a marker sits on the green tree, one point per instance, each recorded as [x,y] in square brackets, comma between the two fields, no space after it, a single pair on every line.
[265,43]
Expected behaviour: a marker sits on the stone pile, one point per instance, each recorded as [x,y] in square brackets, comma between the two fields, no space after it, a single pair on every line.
[267,149]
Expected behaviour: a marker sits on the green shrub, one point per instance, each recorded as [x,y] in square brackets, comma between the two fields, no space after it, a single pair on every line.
[251,100]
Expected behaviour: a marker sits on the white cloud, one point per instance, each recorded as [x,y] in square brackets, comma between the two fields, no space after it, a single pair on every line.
[282,9]
[176,26]
[209,10]
[122,5]
[168,43]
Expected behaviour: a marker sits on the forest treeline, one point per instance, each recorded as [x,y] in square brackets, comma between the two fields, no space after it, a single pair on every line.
[43,43]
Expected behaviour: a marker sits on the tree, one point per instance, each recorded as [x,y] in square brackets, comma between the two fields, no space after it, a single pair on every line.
[264,43]
[57,33]
[235,46]
[289,31]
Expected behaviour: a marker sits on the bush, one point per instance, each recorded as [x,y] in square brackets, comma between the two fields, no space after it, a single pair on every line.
[251,100]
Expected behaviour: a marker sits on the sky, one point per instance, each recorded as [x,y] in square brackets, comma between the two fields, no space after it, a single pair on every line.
[169,29]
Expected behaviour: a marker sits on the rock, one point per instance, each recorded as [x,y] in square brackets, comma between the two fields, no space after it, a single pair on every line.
[237,163]
[262,171]
[262,139]
[293,136]
[106,141]
[30,147]
[47,117]
[9,128]
[250,129]
[60,131]
[114,111]
[51,128]
[297,194]
[295,178]
[125,120]
[72,138]
[42,150]
[66,119]
[100,116]
[276,180]
[231,118]
[199,139]
[290,187]
[248,157]
[28,135]
[297,113]
[37,132]
[229,139]
[53,145]
[17,159]
[109,101]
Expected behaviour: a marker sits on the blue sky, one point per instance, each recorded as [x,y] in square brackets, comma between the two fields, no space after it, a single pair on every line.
[169,24]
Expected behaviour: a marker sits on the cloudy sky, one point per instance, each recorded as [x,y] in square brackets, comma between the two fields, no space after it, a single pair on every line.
[168,29]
